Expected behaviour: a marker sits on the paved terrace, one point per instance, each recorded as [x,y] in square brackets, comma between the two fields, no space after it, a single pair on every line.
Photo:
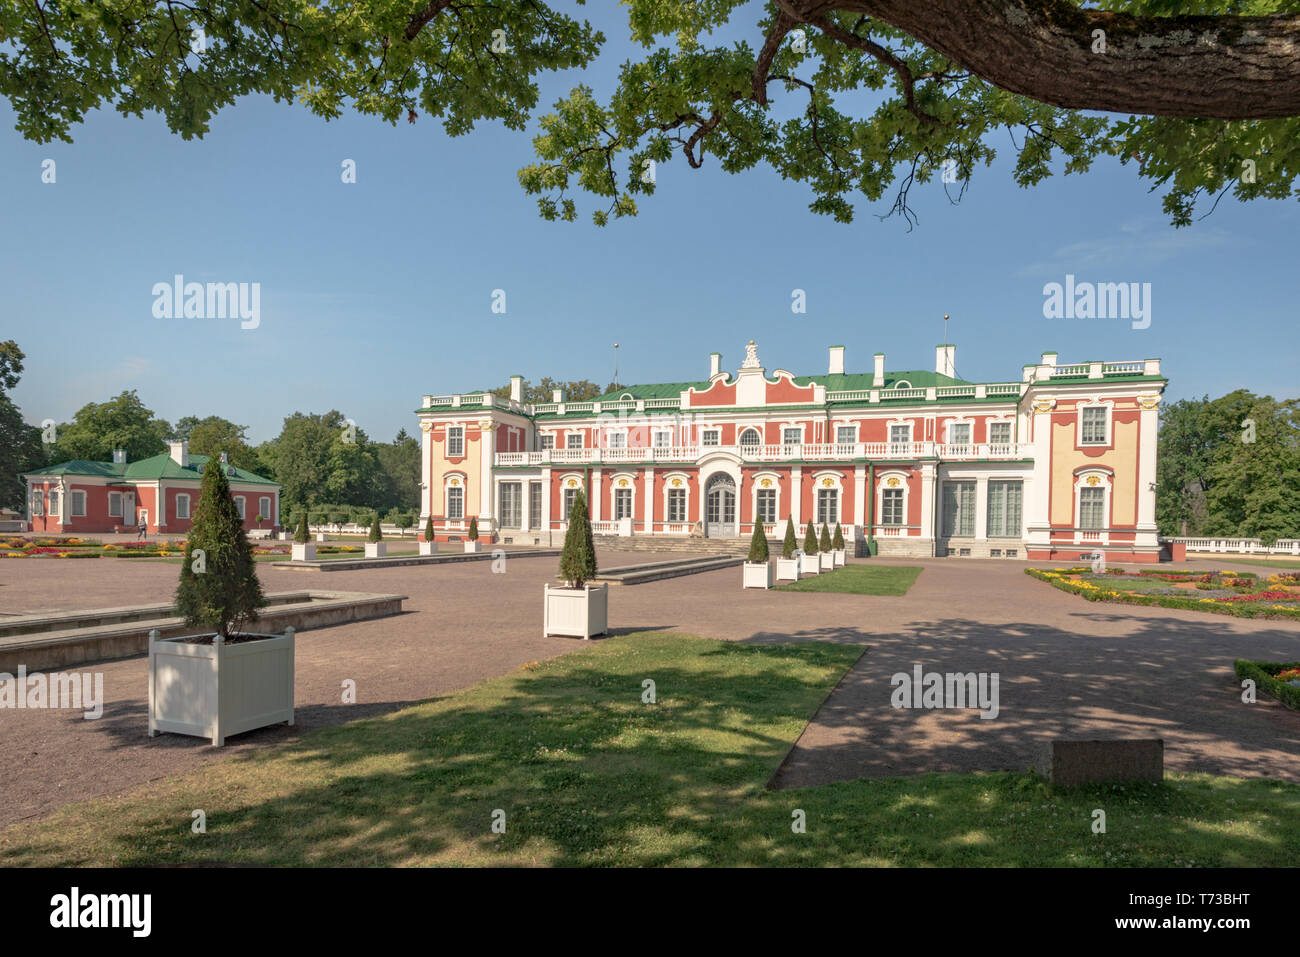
[1067,666]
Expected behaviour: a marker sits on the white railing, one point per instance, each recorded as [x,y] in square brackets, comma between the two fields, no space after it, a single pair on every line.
[1123,368]
[1071,370]
[1239,546]
[820,452]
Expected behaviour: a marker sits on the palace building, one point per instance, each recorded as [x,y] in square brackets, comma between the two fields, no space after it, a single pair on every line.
[1055,465]
[80,496]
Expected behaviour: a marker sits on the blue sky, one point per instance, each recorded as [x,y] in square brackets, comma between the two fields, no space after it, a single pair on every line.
[376,293]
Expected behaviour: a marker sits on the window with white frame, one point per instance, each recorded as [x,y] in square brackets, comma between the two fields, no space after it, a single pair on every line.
[959,433]
[828,506]
[534,504]
[1004,509]
[846,434]
[548,441]
[264,506]
[959,509]
[182,506]
[616,440]
[38,502]
[1094,425]
[676,509]
[899,436]
[999,433]
[750,438]
[511,500]
[55,502]
[573,440]
[791,437]
[891,507]
[455,503]
[455,441]
[622,503]
[765,503]
[77,499]
[711,437]
[1092,508]
[239,505]
[662,438]
[569,495]
[114,504]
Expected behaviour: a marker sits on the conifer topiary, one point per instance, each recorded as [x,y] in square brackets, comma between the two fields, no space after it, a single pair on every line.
[428,528]
[789,544]
[838,541]
[578,560]
[758,544]
[375,534]
[301,533]
[220,588]
[473,529]
[809,540]
[824,543]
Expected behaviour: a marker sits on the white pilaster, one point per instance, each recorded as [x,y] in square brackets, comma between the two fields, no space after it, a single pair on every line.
[1147,532]
[982,507]
[928,474]
[860,496]
[593,507]
[796,496]
[648,501]
[488,441]
[426,471]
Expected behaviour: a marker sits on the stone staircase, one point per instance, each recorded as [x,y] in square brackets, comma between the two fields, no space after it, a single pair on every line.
[681,544]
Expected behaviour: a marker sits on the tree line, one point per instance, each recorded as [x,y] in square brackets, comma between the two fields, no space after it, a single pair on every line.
[1230,467]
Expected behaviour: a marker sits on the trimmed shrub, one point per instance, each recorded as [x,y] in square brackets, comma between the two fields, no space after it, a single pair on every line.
[578,560]
[809,540]
[302,533]
[473,529]
[838,541]
[789,544]
[428,528]
[758,544]
[1263,672]
[824,543]
[227,593]
[376,535]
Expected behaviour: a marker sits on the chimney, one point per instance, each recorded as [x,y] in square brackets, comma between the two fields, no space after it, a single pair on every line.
[516,388]
[180,452]
[878,379]
[557,395]
[119,456]
[1049,359]
[945,359]
[715,363]
[837,361]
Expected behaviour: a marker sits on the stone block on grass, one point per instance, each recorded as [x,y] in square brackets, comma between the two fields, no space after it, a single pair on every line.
[1074,763]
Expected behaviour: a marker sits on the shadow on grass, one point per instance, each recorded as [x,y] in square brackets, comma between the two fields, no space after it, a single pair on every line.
[584,770]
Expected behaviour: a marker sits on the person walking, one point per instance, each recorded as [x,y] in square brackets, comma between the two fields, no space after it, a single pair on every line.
[142,529]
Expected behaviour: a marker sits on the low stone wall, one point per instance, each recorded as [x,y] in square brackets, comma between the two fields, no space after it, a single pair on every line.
[46,649]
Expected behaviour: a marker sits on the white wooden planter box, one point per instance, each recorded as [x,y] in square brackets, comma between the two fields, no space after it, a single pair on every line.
[827,560]
[216,690]
[809,564]
[304,551]
[787,569]
[576,612]
[428,548]
[376,549]
[758,575]
[841,557]
[473,547]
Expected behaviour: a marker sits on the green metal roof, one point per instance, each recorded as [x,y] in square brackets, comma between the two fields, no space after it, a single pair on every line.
[155,467]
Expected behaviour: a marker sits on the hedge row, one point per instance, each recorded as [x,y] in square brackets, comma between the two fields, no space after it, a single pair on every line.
[1262,672]
[1236,609]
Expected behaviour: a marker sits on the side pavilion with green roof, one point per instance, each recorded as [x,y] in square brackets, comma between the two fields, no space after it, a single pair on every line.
[82,497]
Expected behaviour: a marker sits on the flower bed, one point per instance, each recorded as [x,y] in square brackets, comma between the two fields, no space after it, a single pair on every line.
[1280,599]
[1275,677]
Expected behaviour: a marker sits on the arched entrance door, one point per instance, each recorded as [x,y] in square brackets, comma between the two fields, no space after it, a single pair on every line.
[720,507]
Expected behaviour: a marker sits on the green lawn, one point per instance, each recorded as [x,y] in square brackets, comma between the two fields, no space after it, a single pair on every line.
[588,774]
[859,579]
[1227,562]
